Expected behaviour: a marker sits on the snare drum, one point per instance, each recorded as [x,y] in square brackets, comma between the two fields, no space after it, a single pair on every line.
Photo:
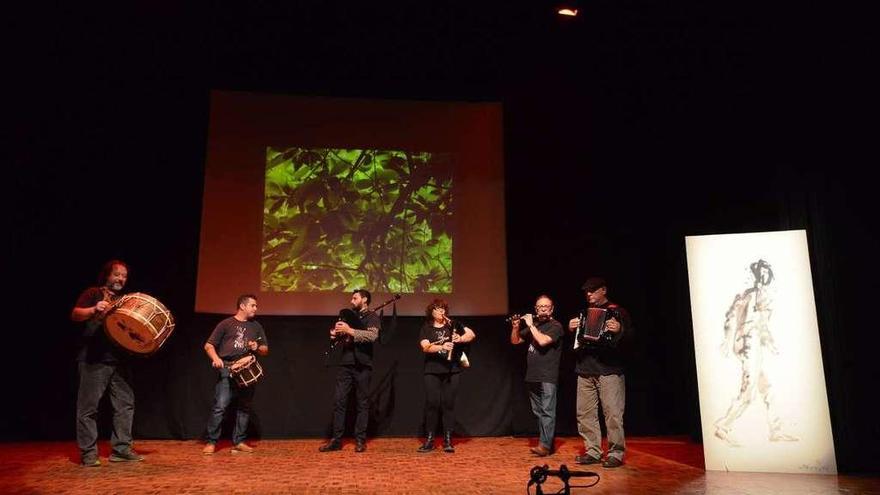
[139,323]
[246,371]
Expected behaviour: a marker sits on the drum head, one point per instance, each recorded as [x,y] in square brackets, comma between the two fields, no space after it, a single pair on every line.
[139,323]
[131,333]
[242,363]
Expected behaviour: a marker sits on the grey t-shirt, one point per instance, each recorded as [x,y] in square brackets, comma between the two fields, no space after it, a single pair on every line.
[230,337]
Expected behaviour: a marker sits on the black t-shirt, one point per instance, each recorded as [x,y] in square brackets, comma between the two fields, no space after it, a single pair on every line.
[95,346]
[230,337]
[543,362]
[440,363]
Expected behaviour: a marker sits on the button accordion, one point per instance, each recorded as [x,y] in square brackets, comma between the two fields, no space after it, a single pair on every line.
[592,325]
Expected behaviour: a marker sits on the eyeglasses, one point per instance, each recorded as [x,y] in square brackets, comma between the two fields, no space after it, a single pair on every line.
[543,306]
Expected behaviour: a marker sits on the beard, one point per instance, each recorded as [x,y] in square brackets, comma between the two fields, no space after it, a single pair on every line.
[115,286]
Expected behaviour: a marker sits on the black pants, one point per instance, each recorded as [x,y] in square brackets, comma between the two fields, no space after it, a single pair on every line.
[94,380]
[359,376]
[440,393]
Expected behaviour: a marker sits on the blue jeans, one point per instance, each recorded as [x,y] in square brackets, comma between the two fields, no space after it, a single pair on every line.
[224,392]
[94,380]
[543,398]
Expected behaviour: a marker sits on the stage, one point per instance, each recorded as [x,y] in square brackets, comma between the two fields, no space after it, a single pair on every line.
[390,465]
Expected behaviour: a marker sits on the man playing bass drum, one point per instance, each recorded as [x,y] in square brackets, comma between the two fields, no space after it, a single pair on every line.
[103,370]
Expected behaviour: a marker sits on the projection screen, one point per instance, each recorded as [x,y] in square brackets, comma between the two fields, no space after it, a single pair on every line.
[308,199]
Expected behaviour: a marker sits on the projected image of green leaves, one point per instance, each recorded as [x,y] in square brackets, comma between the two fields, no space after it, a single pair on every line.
[344,219]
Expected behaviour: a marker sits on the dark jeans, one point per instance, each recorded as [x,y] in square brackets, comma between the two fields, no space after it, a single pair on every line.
[224,392]
[542,395]
[94,380]
[359,376]
[440,392]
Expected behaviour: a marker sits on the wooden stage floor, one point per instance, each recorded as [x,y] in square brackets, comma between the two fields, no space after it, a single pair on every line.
[390,465]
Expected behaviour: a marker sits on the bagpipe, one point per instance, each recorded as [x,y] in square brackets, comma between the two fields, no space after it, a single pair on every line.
[353,319]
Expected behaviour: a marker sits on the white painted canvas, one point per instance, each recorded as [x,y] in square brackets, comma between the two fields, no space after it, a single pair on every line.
[763,401]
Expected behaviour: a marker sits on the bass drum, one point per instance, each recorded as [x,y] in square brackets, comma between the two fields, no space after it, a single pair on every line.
[139,323]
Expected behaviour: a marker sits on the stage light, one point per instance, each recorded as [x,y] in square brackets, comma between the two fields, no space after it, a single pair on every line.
[568,8]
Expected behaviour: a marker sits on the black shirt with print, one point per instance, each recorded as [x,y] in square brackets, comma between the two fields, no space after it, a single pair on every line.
[231,336]
[439,362]
[543,361]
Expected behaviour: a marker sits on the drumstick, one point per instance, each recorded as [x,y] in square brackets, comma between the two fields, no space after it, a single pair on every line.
[110,298]
[258,339]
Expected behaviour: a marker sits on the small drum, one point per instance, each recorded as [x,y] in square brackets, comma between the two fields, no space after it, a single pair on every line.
[591,325]
[246,371]
[139,323]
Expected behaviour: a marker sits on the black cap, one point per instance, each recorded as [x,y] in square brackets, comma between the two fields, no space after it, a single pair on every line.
[594,283]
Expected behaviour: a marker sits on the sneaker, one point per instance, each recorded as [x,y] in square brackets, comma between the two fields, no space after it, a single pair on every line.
[330,446]
[612,462]
[91,462]
[209,449]
[360,446]
[242,448]
[586,459]
[540,451]
[129,456]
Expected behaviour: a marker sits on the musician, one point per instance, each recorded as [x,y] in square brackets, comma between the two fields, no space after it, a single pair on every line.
[544,335]
[442,342]
[355,364]
[232,339]
[600,370]
[103,368]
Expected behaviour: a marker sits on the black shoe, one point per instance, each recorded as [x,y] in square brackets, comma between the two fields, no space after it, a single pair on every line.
[447,443]
[428,445]
[612,462]
[360,446]
[130,456]
[586,459]
[330,446]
